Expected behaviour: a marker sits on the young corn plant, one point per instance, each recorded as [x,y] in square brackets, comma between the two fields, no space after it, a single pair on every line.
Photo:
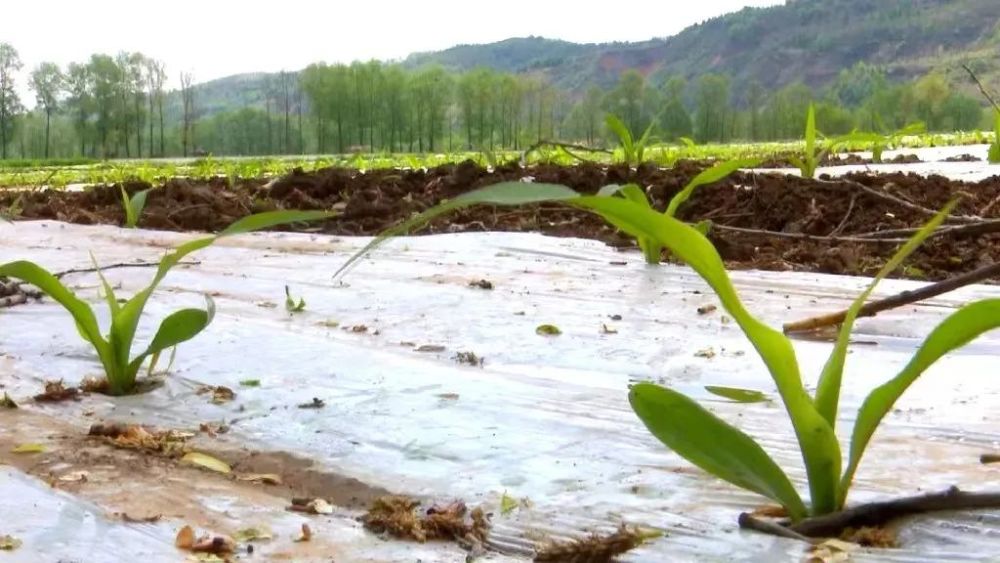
[701,437]
[651,250]
[133,206]
[115,349]
[633,151]
[814,153]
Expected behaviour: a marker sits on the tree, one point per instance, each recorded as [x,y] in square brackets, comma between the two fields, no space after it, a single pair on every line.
[713,107]
[625,101]
[155,76]
[675,121]
[79,85]
[10,103]
[47,81]
[187,100]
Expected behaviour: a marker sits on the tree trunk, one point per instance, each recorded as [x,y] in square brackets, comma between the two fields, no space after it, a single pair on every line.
[48,119]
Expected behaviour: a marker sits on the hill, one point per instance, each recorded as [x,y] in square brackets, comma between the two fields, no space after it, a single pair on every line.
[803,40]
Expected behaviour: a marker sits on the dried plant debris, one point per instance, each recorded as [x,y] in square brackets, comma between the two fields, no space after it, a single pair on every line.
[56,392]
[206,543]
[984,459]
[548,330]
[6,402]
[770,511]
[306,534]
[170,443]
[9,543]
[311,506]
[706,309]
[398,516]
[430,348]
[13,293]
[481,284]
[596,548]
[871,537]
[220,394]
[316,403]
[126,517]
[468,358]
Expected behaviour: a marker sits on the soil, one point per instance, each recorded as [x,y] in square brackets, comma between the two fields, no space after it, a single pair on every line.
[375,200]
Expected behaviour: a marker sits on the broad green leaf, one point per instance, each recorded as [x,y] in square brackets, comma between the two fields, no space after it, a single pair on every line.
[960,328]
[820,450]
[737,394]
[828,388]
[712,444]
[708,176]
[506,193]
[136,205]
[811,131]
[177,328]
[81,312]
[618,127]
[109,293]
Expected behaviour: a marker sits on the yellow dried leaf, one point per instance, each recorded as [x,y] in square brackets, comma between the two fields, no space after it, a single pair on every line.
[9,543]
[507,504]
[266,478]
[29,449]
[306,534]
[206,461]
[254,534]
[185,538]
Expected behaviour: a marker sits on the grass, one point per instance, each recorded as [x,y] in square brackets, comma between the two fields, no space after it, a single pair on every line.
[692,431]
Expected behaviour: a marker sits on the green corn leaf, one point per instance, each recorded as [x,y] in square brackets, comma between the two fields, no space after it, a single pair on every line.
[828,388]
[270,219]
[811,132]
[133,206]
[820,450]
[81,312]
[632,192]
[713,445]
[737,394]
[506,193]
[708,176]
[960,328]
[109,292]
[175,329]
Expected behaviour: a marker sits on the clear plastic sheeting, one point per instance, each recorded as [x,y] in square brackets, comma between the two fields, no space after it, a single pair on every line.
[544,418]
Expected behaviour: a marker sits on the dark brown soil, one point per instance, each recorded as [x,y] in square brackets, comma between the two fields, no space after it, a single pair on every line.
[370,202]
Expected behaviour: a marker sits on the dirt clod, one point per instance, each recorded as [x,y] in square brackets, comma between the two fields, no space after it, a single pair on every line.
[871,537]
[481,284]
[56,392]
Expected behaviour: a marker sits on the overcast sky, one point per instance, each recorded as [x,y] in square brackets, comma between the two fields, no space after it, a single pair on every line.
[215,38]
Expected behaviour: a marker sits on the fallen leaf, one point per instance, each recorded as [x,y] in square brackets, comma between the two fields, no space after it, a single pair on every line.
[481,284]
[605,329]
[9,543]
[737,394]
[185,538]
[329,323]
[306,534]
[548,330]
[29,449]
[56,392]
[250,383]
[265,478]
[75,477]
[206,461]
[261,533]
[706,309]
[507,504]
[708,353]
[311,506]
[448,396]
[431,348]
[831,551]
[7,402]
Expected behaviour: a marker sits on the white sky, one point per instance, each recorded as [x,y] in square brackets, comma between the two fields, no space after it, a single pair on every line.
[216,38]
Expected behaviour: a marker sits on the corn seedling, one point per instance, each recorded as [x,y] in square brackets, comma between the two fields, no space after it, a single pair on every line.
[813,154]
[633,151]
[706,440]
[133,206]
[651,250]
[114,350]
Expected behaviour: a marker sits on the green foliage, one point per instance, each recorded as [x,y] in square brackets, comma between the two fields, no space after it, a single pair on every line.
[133,206]
[291,305]
[994,153]
[633,151]
[700,436]
[813,154]
[114,350]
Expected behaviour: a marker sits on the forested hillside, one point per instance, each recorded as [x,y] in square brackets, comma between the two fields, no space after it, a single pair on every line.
[867,64]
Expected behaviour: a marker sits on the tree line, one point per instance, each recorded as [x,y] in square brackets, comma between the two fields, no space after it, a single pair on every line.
[117,107]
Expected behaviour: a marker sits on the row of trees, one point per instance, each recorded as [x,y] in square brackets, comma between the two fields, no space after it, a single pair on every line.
[114,106]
